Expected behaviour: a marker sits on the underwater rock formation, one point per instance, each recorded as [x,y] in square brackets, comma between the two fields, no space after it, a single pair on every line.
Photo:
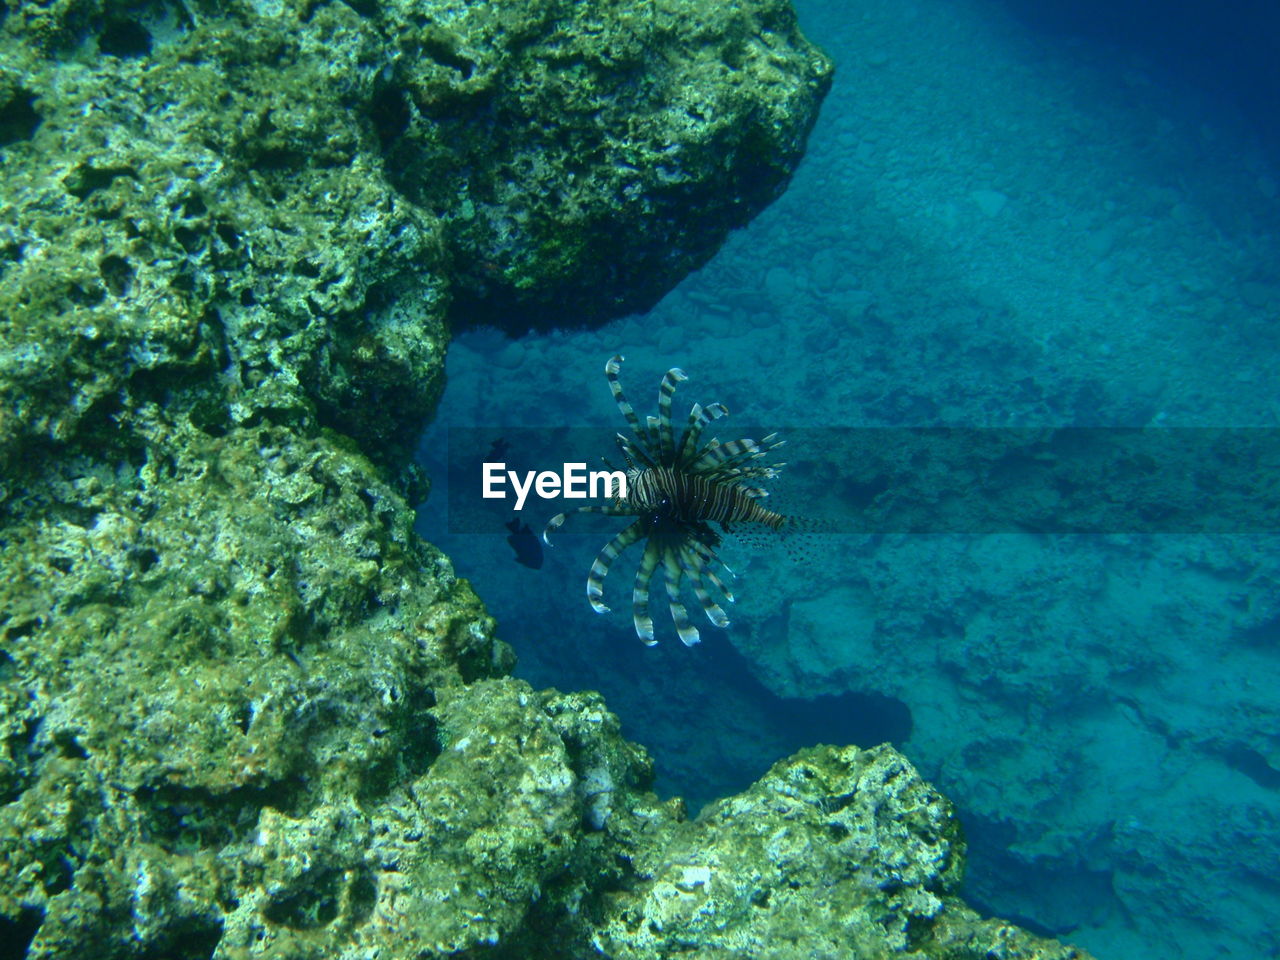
[203,215]
[245,712]
[198,644]
[288,196]
[607,153]
[835,852]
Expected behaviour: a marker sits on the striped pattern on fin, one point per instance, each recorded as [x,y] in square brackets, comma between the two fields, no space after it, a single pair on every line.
[620,398]
[719,585]
[608,509]
[666,446]
[693,569]
[674,573]
[634,452]
[734,459]
[709,560]
[600,566]
[640,593]
[651,424]
[723,456]
[699,416]
[555,523]
[741,466]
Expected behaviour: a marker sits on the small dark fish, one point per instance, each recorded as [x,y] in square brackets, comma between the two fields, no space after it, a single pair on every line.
[526,545]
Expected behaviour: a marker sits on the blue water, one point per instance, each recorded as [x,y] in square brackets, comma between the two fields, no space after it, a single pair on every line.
[1012,213]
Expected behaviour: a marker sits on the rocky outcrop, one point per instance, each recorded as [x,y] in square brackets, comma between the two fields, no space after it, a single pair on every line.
[279,204]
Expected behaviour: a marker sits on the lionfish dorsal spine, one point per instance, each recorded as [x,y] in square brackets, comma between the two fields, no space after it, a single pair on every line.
[699,417]
[667,389]
[615,387]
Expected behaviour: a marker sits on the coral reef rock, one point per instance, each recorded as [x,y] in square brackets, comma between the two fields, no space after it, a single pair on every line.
[292,195]
[836,852]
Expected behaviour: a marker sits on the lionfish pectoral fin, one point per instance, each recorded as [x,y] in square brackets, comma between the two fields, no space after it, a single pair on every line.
[694,569]
[595,589]
[719,585]
[640,594]
[715,614]
[644,627]
[674,572]
[600,566]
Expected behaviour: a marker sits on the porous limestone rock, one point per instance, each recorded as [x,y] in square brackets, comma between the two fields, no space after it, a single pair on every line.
[835,852]
[278,202]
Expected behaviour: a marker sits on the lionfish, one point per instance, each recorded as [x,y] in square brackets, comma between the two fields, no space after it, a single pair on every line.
[676,489]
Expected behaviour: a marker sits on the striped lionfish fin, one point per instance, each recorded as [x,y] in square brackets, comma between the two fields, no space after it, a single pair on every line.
[636,453]
[615,387]
[699,416]
[693,569]
[674,573]
[600,567]
[718,455]
[640,593]
[710,559]
[734,459]
[608,509]
[667,389]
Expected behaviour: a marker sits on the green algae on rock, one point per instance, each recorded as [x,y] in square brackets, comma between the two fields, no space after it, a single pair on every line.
[216,208]
[835,852]
[598,152]
[289,195]
[244,624]
[448,861]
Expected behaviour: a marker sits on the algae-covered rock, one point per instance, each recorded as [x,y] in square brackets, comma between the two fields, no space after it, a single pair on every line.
[219,617]
[448,861]
[288,195]
[209,199]
[245,625]
[592,154]
[836,852]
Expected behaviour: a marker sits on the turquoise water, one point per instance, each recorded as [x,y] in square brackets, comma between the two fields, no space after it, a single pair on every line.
[1006,217]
